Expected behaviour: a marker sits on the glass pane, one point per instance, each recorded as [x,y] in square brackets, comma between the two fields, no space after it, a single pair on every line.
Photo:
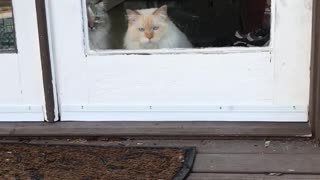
[7,32]
[157,24]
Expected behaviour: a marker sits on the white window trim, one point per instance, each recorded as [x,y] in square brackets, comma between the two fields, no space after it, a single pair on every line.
[210,50]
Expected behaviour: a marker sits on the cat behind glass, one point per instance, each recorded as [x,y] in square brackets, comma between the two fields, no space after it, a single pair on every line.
[153,29]
[99,27]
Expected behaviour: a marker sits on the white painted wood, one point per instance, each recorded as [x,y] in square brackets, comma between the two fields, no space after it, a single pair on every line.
[28,51]
[237,78]
[21,76]
[221,50]
[184,116]
[68,48]
[292,51]
[10,91]
[20,113]
[185,113]
[275,76]
[168,108]
[22,117]
[19,108]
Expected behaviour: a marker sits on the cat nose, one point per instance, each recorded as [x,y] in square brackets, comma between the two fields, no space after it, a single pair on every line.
[91,24]
[149,35]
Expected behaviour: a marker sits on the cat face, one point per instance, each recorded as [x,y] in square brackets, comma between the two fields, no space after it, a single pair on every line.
[97,17]
[148,26]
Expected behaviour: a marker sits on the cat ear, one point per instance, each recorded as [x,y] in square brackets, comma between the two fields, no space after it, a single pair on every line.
[91,18]
[132,15]
[162,11]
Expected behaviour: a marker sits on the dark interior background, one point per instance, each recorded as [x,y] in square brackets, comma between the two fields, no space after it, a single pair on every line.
[207,23]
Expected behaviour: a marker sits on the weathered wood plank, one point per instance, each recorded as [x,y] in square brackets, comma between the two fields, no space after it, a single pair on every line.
[182,129]
[257,163]
[315,74]
[208,176]
[227,146]
[203,146]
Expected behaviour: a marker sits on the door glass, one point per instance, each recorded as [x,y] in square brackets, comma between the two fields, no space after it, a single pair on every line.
[7,32]
[157,24]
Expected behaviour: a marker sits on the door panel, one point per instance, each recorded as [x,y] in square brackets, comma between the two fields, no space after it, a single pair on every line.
[269,83]
[21,94]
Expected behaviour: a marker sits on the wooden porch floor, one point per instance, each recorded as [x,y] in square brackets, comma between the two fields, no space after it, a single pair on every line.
[234,159]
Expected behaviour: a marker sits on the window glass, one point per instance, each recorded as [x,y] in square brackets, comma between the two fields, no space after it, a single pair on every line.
[7,32]
[170,24]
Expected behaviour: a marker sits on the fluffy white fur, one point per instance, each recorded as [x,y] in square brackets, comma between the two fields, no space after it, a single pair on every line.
[99,28]
[159,31]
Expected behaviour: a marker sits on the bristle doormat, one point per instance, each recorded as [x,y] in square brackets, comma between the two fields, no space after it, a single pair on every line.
[80,162]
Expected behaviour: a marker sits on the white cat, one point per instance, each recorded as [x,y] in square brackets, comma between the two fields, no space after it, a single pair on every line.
[153,29]
[99,27]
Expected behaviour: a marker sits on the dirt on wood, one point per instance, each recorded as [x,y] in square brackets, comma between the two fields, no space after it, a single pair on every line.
[22,162]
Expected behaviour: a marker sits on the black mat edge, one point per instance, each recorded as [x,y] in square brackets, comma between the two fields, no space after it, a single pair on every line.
[189,158]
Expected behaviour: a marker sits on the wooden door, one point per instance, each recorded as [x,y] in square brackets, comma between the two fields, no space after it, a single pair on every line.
[21,92]
[260,84]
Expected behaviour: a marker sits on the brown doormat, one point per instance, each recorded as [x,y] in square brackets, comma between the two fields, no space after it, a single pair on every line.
[80,162]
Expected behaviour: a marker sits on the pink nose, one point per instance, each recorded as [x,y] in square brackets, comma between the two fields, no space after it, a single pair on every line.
[149,35]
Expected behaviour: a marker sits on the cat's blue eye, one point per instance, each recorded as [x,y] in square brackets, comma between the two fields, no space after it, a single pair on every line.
[155,28]
[141,29]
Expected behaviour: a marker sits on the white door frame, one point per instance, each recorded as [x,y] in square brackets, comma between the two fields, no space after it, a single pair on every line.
[21,92]
[250,84]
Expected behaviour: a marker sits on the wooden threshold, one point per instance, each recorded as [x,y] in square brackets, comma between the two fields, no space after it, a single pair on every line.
[181,129]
